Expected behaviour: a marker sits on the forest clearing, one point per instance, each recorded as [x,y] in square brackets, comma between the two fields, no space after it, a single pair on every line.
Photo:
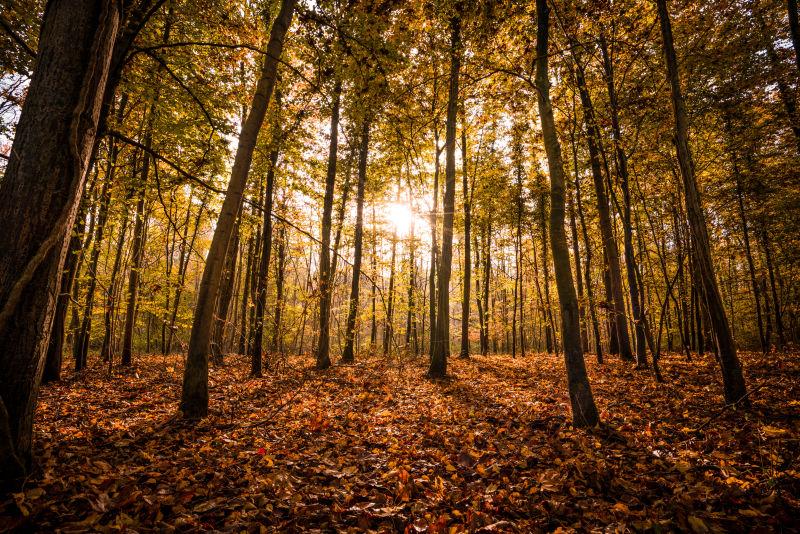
[370,446]
[400,265]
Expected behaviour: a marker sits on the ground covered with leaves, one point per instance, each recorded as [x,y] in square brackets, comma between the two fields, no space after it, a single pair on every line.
[376,446]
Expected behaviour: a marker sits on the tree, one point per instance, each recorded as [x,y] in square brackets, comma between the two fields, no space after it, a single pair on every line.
[40,193]
[732,378]
[194,397]
[440,348]
[584,412]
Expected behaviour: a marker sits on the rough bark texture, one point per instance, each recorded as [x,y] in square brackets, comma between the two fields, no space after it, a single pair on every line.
[39,198]
[584,412]
[194,398]
[732,378]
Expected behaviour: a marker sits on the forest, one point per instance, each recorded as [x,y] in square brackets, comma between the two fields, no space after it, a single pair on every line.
[399,266]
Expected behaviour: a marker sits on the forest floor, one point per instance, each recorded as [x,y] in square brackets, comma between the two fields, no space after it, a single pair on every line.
[375,446]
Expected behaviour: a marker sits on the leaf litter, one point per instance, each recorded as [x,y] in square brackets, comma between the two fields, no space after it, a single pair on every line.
[376,447]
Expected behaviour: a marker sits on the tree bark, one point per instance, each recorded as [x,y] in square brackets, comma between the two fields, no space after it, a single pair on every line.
[732,378]
[584,412]
[39,198]
[194,397]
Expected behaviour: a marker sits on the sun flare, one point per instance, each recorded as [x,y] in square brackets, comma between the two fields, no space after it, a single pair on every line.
[400,218]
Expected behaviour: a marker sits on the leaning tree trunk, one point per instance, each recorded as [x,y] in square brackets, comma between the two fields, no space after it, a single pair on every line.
[194,398]
[732,378]
[39,198]
[440,349]
[352,312]
[584,412]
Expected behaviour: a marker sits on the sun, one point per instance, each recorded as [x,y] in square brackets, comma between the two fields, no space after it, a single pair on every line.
[400,217]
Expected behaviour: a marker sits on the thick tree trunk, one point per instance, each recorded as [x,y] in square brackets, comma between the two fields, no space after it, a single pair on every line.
[325,281]
[584,412]
[39,198]
[733,380]
[348,355]
[441,346]
[194,398]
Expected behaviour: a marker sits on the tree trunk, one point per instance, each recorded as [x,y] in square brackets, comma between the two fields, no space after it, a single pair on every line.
[576,250]
[388,325]
[266,249]
[107,348]
[465,304]
[621,162]
[39,198]
[137,256]
[746,236]
[55,350]
[733,380]
[194,398]
[82,338]
[183,265]
[277,335]
[609,244]
[584,412]
[794,30]
[440,349]
[348,355]
[325,281]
